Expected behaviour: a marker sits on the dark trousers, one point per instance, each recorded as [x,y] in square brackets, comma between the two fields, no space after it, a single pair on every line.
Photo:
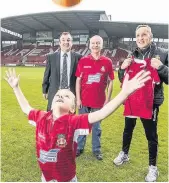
[150,127]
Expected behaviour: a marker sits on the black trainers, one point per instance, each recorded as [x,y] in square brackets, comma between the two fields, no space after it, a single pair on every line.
[98,155]
[79,152]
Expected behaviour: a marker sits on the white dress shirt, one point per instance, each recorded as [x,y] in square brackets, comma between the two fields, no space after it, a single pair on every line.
[68,66]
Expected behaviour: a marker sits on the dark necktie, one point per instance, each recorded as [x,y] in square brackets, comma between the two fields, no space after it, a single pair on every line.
[64,81]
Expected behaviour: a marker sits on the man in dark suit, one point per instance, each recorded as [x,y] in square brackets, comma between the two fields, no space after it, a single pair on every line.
[60,69]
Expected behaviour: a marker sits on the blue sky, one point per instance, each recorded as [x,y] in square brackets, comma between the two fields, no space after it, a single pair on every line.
[121,10]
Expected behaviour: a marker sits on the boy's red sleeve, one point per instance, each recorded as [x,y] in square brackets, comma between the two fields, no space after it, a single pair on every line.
[81,124]
[35,116]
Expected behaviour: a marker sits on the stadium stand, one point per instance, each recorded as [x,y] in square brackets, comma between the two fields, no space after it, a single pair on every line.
[37,56]
[36,36]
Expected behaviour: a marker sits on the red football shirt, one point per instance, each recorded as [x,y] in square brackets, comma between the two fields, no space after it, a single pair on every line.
[94,76]
[56,143]
[140,103]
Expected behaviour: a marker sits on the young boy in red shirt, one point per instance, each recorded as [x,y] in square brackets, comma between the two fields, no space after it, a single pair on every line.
[57,130]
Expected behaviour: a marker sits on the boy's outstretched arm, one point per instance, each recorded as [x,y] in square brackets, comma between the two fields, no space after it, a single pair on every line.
[13,81]
[129,86]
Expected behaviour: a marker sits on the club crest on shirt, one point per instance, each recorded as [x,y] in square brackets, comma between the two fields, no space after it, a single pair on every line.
[103,69]
[61,140]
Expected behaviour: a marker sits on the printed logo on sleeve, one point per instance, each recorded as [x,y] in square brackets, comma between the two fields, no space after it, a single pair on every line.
[41,136]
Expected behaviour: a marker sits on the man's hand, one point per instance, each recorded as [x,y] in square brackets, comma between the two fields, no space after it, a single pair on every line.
[138,81]
[126,63]
[11,78]
[45,95]
[156,63]
[79,104]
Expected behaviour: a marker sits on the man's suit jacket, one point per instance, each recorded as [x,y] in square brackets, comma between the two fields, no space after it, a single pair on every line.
[51,80]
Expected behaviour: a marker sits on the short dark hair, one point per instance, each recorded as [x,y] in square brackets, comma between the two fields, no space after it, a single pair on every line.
[65,33]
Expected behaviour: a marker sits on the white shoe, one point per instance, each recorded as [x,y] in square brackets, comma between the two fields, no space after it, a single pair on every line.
[152,174]
[121,158]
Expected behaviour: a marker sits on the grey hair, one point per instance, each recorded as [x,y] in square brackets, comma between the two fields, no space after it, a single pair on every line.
[101,39]
[147,26]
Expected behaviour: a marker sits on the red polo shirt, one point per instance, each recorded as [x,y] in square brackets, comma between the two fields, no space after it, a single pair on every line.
[94,75]
[140,103]
[56,143]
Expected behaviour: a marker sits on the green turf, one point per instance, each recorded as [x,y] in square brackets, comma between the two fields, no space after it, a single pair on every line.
[18,140]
